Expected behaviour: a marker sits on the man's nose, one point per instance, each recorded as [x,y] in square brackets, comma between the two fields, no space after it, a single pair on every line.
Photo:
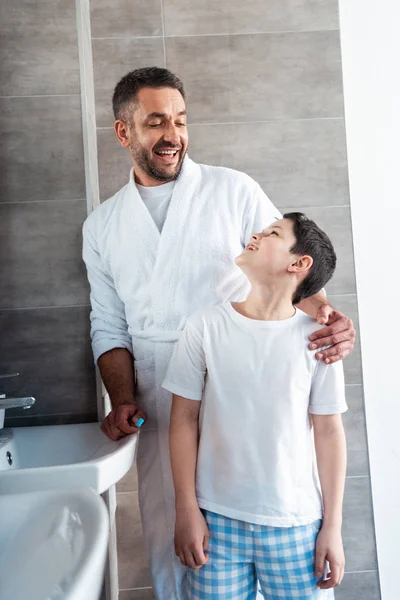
[171,135]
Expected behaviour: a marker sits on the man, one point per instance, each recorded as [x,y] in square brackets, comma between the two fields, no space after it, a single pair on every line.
[156,252]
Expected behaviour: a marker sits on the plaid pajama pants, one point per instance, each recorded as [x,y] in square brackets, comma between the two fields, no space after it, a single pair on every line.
[280,558]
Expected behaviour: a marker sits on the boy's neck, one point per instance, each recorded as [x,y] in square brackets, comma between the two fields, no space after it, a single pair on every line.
[266,304]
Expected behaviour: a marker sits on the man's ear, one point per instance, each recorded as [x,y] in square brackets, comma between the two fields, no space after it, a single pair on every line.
[302,264]
[122,132]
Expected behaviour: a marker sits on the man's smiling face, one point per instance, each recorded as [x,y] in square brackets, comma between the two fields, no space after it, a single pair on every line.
[157,134]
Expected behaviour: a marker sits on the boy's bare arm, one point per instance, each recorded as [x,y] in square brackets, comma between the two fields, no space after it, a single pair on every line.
[183,443]
[330,447]
[191,531]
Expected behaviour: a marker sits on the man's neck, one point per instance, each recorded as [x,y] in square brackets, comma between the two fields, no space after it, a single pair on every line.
[267,304]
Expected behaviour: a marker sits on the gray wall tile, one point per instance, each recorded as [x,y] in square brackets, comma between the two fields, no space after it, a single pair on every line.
[42,242]
[125,19]
[335,221]
[112,59]
[359,586]
[39,48]
[50,348]
[348,306]
[132,558]
[138,594]
[41,150]
[298,163]
[190,17]
[19,420]
[275,76]
[114,162]
[358,529]
[356,433]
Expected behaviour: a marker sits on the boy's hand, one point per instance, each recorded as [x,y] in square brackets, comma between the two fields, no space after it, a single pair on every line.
[329,547]
[191,537]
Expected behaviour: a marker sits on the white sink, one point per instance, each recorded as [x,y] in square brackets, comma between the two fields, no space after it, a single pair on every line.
[62,456]
[52,545]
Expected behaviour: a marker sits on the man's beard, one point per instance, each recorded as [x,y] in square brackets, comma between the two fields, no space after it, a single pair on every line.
[143,160]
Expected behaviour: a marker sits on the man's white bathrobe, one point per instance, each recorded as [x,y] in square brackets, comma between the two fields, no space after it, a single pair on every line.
[143,287]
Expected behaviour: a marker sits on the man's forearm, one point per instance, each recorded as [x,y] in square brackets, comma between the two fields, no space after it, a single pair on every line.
[330,447]
[311,305]
[117,373]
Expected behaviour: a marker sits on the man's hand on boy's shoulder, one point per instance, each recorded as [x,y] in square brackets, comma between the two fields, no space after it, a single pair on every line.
[339,333]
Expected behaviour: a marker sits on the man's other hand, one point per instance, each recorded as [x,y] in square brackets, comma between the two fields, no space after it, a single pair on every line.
[339,334]
[121,421]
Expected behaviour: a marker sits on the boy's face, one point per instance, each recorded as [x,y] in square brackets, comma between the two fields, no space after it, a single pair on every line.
[267,255]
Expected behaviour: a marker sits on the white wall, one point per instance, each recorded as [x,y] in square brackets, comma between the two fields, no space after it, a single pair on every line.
[371,73]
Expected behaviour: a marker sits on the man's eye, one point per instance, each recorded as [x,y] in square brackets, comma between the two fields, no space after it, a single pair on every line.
[180,124]
[154,124]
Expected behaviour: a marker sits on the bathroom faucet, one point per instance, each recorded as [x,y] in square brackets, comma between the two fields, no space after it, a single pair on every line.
[24,403]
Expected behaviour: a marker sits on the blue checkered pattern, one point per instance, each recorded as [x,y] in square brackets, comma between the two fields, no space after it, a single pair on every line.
[280,558]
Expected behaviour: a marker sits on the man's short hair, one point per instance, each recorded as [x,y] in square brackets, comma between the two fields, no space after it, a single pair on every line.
[314,242]
[126,90]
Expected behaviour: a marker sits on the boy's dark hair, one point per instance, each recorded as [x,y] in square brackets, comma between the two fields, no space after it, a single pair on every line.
[126,90]
[314,242]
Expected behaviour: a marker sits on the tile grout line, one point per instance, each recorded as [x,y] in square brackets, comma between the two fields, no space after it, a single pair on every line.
[224,34]
[41,96]
[163,33]
[364,571]
[45,307]
[282,120]
[61,200]
[134,589]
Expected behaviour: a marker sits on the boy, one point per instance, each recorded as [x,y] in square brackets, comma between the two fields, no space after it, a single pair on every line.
[246,393]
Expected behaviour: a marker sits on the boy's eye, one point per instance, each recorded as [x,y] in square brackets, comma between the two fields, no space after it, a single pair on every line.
[274,233]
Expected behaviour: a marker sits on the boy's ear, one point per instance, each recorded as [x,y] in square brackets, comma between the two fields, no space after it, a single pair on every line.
[301,264]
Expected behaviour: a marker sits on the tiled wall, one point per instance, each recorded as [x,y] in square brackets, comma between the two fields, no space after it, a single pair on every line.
[44,327]
[264,96]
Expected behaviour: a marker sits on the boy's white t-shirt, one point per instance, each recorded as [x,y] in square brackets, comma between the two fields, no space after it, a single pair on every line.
[257,381]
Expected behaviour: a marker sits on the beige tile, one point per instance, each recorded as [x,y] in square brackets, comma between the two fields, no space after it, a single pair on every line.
[41,149]
[39,48]
[114,58]
[296,162]
[129,483]
[138,594]
[335,221]
[191,17]
[259,77]
[356,432]
[43,245]
[50,348]
[352,364]
[125,19]
[132,559]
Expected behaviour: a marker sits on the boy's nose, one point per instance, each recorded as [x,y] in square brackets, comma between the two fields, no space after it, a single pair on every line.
[256,237]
